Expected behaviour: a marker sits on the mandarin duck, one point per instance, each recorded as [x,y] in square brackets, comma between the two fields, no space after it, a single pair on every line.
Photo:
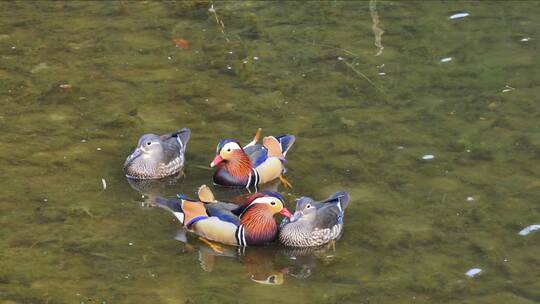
[157,156]
[314,223]
[253,164]
[247,225]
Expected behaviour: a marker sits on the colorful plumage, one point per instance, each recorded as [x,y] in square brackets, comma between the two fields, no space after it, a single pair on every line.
[157,156]
[253,164]
[314,223]
[249,224]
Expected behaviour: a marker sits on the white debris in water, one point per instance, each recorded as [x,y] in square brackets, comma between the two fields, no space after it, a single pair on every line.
[229,67]
[169,57]
[230,52]
[255,58]
[400,147]
[382,73]
[446,59]
[529,229]
[211,9]
[83,140]
[470,199]
[340,58]
[104,183]
[473,272]
[459,16]
[526,39]
[428,157]
[99,149]
[45,200]
[508,88]
[130,244]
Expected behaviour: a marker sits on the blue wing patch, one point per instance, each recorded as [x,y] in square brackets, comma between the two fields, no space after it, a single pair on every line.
[286,141]
[222,214]
[257,154]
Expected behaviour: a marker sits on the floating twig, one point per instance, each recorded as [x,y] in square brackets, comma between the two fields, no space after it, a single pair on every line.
[218,21]
[377,31]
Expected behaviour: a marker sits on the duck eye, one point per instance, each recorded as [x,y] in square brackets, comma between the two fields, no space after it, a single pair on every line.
[273,203]
[308,206]
[148,143]
[229,150]
[272,279]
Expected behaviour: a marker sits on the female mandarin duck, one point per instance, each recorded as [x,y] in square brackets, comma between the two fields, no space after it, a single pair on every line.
[253,164]
[157,156]
[314,223]
[249,224]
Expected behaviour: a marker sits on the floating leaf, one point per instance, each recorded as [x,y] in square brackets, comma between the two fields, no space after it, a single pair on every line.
[181,43]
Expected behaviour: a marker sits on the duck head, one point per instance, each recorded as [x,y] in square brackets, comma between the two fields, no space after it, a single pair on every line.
[146,156]
[268,202]
[227,150]
[305,210]
[257,217]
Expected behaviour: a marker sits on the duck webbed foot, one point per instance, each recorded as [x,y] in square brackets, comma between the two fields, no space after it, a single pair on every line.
[216,247]
[285,182]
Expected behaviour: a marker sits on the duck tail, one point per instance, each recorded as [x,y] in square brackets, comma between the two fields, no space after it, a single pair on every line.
[285,142]
[341,198]
[182,136]
[188,212]
[175,207]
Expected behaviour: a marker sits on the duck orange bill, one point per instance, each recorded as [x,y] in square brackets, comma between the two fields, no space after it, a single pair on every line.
[285,212]
[218,159]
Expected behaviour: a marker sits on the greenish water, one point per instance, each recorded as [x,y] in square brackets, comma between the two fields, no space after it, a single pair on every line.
[81,81]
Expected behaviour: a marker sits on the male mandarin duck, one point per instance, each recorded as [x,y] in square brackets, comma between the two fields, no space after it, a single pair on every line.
[247,225]
[253,164]
[157,156]
[314,223]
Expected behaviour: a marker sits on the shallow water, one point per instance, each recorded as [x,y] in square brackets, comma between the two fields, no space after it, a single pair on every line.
[81,81]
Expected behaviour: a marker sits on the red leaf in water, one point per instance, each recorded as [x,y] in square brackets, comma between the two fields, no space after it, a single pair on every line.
[181,43]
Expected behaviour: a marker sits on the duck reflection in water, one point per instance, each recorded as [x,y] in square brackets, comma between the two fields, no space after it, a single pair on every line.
[149,188]
[269,265]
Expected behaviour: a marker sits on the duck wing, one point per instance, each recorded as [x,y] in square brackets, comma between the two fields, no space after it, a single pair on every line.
[223,212]
[257,154]
[328,216]
[330,211]
[174,144]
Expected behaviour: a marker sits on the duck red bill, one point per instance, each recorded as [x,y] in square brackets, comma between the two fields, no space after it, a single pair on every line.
[285,212]
[218,159]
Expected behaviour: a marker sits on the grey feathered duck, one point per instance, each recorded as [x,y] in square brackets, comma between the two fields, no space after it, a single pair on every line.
[314,223]
[158,156]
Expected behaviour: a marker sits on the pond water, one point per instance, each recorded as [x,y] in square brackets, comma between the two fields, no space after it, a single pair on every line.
[426,112]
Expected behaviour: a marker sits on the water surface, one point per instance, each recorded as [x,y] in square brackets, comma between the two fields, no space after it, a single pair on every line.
[369,89]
